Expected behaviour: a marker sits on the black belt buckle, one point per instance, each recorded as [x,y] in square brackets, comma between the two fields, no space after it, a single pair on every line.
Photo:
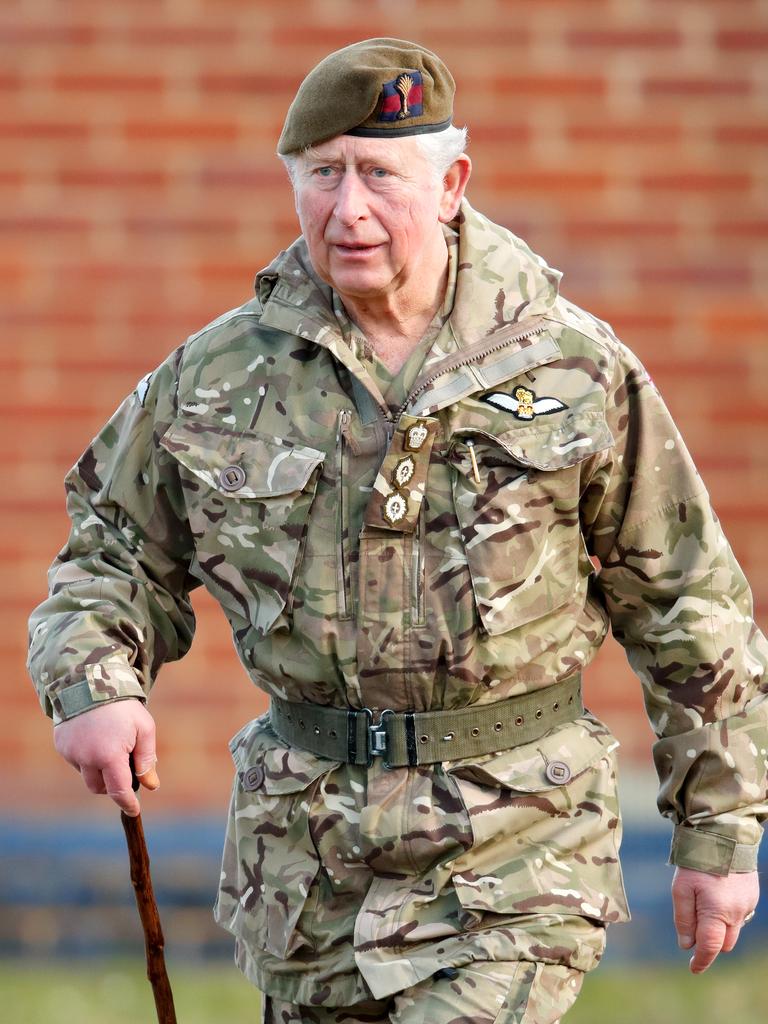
[377,736]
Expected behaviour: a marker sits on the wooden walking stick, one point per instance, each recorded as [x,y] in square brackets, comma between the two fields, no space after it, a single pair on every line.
[154,942]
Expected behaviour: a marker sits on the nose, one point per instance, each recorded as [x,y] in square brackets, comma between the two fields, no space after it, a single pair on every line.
[351,203]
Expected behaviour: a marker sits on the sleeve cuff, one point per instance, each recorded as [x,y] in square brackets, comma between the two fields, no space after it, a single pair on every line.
[104,683]
[710,852]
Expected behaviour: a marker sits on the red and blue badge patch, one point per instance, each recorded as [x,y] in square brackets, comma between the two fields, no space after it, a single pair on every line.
[403,97]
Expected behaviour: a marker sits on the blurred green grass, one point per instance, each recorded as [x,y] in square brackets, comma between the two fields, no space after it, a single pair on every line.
[114,992]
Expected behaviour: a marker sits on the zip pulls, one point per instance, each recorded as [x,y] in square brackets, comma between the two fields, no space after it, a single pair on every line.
[473,457]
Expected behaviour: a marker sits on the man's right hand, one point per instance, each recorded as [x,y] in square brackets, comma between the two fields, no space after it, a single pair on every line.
[98,744]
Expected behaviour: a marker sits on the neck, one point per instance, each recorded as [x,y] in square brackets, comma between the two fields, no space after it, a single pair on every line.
[395,322]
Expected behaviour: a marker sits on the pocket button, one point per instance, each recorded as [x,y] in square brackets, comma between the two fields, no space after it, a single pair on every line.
[253,778]
[558,773]
[232,478]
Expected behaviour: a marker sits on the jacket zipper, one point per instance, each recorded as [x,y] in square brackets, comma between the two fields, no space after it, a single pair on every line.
[418,571]
[455,362]
[344,440]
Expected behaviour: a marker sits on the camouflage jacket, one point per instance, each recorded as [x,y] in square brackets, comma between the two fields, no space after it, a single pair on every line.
[436,557]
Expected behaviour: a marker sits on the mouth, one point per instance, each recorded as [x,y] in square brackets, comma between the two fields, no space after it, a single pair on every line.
[355,248]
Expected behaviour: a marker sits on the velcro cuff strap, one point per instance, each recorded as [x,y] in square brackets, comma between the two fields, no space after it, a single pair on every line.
[711,852]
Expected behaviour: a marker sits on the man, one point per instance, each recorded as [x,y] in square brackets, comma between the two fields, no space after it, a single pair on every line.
[394,467]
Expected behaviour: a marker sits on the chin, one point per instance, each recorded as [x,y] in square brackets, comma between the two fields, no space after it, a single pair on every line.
[359,285]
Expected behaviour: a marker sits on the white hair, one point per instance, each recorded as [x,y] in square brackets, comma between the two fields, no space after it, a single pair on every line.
[440,150]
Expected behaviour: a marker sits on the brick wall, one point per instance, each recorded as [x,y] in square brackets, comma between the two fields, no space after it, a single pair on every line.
[139,193]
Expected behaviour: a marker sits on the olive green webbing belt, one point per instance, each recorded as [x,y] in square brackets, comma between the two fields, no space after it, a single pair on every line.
[425,737]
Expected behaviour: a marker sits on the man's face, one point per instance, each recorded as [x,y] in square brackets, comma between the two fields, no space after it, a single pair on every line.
[370,212]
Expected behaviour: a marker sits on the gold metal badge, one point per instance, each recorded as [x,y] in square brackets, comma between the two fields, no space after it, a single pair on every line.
[395,508]
[403,471]
[524,403]
[415,436]
[404,84]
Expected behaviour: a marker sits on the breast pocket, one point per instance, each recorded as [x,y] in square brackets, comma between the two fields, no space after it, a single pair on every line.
[516,497]
[546,827]
[269,860]
[248,500]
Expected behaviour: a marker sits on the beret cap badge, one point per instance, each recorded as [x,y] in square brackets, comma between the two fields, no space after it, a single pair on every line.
[402,97]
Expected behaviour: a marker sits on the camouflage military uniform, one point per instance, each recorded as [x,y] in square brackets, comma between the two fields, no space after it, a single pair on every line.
[435,556]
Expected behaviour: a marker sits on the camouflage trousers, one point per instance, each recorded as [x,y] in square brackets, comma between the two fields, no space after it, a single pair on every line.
[518,992]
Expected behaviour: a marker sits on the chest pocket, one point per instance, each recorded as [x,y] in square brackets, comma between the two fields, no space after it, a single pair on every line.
[519,516]
[248,501]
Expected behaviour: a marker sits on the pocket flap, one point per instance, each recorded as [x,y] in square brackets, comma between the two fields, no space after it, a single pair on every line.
[266,763]
[269,465]
[552,446]
[576,745]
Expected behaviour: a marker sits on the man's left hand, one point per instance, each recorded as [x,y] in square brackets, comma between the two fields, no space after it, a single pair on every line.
[710,911]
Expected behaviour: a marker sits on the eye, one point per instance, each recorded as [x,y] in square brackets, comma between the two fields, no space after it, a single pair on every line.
[323,172]
[379,172]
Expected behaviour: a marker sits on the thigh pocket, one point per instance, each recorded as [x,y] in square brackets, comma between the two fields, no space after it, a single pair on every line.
[546,828]
[269,860]
[517,504]
[248,500]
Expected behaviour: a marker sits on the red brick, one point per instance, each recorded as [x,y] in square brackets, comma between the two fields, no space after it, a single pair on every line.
[742,229]
[631,231]
[749,134]
[696,276]
[624,38]
[183,35]
[111,177]
[26,224]
[704,86]
[230,172]
[322,37]
[743,39]
[566,86]
[43,129]
[45,34]
[551,183]
[696,181]
[624,131]
[192,129]
[249,82]
[108,81]
[167,224]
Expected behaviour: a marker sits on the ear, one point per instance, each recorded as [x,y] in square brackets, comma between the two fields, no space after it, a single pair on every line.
[454,184]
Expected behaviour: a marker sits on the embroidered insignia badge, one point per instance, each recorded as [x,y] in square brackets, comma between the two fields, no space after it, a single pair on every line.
[395,508]
[402,97]
[403,471]
[415,436]
[523,403]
